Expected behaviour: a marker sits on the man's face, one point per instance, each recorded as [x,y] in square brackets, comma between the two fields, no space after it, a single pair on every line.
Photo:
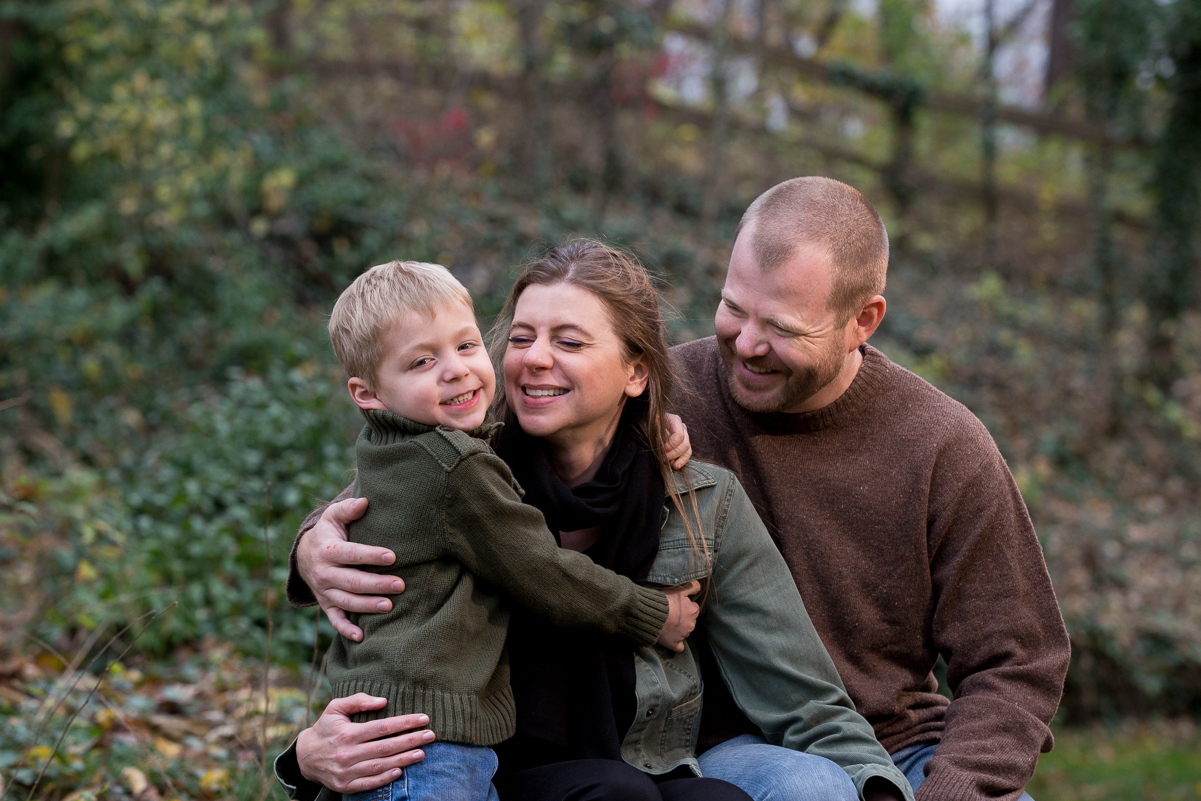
[780,344]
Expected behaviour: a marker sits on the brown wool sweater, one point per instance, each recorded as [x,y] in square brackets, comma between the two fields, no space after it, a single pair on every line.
[907,538]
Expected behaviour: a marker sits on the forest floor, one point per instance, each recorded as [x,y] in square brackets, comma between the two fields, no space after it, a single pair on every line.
[193,728]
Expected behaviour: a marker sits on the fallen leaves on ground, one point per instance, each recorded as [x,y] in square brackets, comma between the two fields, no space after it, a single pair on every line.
[193,728]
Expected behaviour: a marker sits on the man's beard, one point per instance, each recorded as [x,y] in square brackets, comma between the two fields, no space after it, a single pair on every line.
[799,387]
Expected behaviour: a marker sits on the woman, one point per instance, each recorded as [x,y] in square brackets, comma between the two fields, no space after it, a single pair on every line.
[585,391]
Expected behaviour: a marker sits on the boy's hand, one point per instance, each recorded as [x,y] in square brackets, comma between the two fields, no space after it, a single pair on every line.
[678,446]
[324,560]
[681,616]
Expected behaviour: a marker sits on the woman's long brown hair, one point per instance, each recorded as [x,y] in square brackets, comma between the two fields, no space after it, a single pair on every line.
[625,288]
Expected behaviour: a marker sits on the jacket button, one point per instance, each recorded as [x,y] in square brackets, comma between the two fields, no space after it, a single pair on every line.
[647,765]
[650,713]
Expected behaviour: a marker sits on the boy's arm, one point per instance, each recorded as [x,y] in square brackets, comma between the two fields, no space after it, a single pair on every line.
[506,542]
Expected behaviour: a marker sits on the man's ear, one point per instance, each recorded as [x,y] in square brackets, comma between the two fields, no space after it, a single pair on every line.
[637,379]
[864,324]
[363,395]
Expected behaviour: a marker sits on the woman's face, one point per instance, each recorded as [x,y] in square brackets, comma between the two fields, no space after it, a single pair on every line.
[566,376]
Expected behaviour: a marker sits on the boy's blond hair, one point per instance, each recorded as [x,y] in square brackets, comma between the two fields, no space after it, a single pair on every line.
[379,298]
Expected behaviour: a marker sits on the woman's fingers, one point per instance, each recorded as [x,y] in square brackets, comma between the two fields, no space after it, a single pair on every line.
[345,707]
[362,785]
[323,559]
[345,512]
[332,550]
[349,757]
[342,624]
[405,746]
[386,727]
[360,602]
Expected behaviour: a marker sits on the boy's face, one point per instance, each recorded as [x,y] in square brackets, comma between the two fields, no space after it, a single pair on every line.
[435,372]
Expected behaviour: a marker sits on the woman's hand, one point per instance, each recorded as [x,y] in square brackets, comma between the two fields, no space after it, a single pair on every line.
[681,616]
[678,447]
[322,558]
[349,757]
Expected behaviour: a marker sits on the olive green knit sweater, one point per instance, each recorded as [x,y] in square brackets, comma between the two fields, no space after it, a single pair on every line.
[451,511]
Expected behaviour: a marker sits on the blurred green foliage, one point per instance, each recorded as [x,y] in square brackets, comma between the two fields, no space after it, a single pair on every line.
[170,375]
[187,184]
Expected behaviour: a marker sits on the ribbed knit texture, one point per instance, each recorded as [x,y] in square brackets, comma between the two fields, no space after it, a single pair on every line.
[907,537]
[450,510]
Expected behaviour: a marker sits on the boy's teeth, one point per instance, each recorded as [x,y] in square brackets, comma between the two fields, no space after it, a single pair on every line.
[545,393]
[758,370]
[455,401]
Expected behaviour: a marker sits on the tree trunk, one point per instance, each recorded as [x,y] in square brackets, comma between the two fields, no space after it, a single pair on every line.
[533,154]
[1059,55]
[1170,287]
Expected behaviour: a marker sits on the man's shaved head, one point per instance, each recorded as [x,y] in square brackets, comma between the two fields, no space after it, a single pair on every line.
[831,215]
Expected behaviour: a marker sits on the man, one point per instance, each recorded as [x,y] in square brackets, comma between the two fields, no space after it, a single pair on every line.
[894,510]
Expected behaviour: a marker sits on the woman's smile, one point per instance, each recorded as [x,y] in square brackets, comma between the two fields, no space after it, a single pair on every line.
[566,372]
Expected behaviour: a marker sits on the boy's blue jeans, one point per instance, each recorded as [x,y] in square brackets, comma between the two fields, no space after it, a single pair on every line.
[449,772]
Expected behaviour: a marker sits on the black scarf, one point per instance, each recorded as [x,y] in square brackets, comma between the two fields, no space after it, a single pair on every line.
[575,690]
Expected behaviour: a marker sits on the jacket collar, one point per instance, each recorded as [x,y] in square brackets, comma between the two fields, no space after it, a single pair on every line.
[693,476]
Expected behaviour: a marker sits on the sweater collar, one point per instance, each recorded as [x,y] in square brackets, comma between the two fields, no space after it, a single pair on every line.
[868,380]
[386,428]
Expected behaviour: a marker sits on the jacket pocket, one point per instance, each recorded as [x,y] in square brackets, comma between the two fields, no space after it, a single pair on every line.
[680,729]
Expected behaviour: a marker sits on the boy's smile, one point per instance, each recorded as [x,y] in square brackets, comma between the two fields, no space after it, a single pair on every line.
[434,370]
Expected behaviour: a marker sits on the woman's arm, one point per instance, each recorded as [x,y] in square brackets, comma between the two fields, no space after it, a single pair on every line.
[346,757]
[772,660]
[322,569]
[322,559]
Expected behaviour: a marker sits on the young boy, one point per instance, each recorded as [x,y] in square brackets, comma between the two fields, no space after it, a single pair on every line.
[449,508]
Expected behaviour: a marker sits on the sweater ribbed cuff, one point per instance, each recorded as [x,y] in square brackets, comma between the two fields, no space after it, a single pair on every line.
[454,717]
[646,622]
[946,786]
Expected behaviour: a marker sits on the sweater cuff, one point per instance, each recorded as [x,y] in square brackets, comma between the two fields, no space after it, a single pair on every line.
[646,622]
[287,773]
[955,787]
[299,594]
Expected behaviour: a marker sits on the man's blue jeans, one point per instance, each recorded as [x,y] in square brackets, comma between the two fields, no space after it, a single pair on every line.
[772,773]
[449,772]
[912,762]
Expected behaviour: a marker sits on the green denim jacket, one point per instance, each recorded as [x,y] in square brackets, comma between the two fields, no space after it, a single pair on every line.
[765,646]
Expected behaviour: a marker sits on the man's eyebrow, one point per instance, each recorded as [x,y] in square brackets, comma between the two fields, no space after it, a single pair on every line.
[776,322]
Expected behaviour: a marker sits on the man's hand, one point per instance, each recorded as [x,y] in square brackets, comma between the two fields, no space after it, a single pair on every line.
[322,558]
[349,757]
[678,447]
[681,616]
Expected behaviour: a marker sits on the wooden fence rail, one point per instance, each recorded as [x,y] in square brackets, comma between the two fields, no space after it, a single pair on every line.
[900,90]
